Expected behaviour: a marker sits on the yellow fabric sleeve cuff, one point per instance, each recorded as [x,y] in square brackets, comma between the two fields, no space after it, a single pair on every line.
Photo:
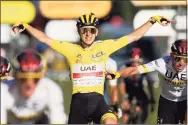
[117,75]
[158,19]
[25,25]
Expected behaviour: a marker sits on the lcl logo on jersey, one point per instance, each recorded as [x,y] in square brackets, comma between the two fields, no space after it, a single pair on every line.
[98,56]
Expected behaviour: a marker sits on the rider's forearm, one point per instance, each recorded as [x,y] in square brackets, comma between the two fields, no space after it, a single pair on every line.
[39,35]
[125,72]
[139,32]
[122,89]
[114,94]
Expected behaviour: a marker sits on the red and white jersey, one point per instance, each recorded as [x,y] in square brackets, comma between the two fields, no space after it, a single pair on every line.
[47,98]
[173,84]
[6,102]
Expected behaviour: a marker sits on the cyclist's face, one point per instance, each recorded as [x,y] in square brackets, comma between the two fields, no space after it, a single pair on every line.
[27,86]
[179,62]
[88,34]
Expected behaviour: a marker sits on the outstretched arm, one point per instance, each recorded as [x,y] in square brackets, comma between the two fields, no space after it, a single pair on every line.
[138,33]
[39,35]
[145,68]
[125,72]
[59,46]
[134,36]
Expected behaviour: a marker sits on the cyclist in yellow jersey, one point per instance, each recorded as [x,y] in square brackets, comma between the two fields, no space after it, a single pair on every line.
[87,63]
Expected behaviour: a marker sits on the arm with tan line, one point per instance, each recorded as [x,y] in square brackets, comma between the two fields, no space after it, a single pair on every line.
[59,46]
[135,35]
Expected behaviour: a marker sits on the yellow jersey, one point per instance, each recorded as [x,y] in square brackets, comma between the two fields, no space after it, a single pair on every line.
[87,65]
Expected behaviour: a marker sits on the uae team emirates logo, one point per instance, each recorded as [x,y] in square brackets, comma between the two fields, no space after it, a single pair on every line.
[87,75]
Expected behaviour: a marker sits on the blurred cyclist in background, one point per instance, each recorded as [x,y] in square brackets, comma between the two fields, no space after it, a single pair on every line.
[133,96]
[37,99]
[111,97]
[87,61]
[58,69]
[172,72]
[6,100]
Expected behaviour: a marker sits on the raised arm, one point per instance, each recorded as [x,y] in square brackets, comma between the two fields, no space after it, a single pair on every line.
[145,68]
[59,46]
[39,35]
[139,32]
[134,36]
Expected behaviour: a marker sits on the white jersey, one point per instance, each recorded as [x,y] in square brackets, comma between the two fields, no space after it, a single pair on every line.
[6,102]
[111,65]
[173,84]
[47,97]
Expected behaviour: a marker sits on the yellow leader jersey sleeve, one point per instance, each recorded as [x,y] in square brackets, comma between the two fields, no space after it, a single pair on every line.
[65,48]
[110,46]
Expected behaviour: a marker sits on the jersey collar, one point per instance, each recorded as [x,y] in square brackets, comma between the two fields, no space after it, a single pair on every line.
[88,48]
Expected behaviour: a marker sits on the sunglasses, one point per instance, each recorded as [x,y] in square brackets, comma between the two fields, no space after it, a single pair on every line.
[179,58]
[85,30]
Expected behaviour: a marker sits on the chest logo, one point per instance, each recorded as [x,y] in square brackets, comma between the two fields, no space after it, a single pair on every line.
[175,78]
[88,68]
[98,56]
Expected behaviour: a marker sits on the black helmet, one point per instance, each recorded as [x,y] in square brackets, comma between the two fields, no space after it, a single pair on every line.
[5,68]
[87,20]
[179,47]
[29,64]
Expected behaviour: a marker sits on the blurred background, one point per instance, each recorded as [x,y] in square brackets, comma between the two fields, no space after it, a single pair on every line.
[117,18]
